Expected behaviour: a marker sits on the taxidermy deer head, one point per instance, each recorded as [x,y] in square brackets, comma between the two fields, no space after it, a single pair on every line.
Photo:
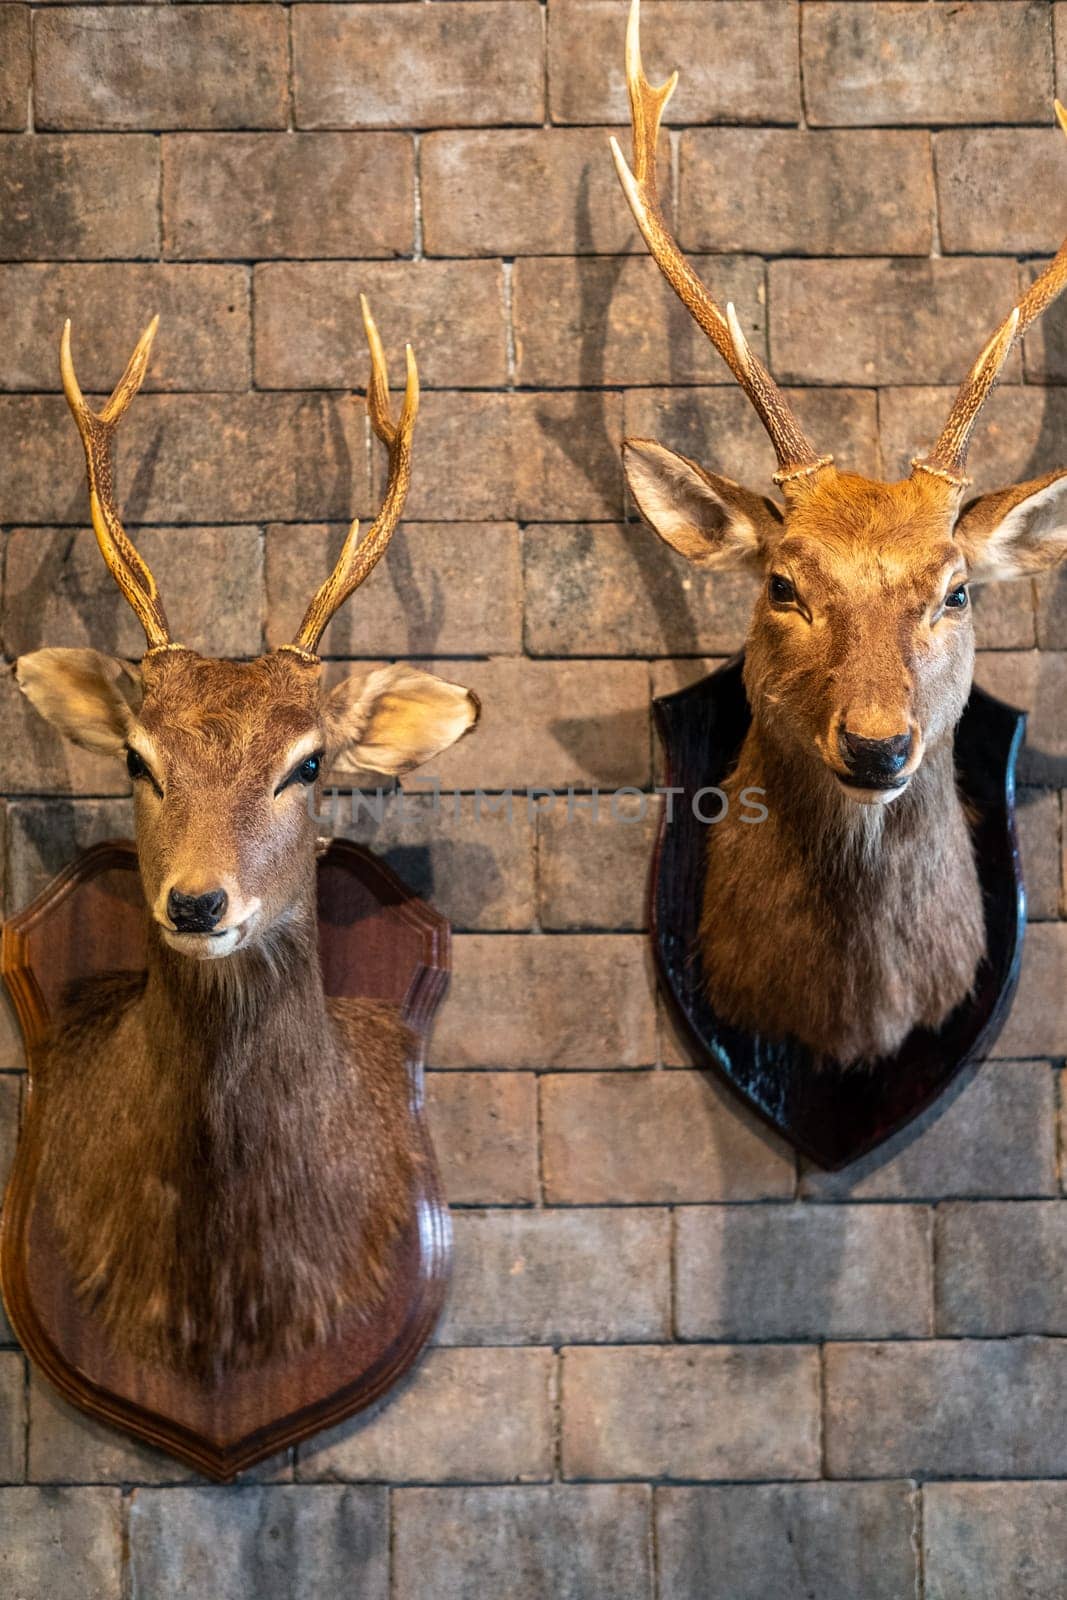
[858,664]
[221,753]
[228,1154]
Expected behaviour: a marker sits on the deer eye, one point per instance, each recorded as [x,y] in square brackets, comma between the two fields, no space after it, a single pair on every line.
[956,598]
[780,589]
[306,773]
[138,767]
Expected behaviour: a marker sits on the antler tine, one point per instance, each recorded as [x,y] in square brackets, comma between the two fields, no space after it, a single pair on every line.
[796,457]
[97,430]
[948,458]
[359,556]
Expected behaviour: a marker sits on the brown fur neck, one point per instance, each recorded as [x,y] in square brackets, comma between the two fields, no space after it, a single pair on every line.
[230,1156]
[883,900]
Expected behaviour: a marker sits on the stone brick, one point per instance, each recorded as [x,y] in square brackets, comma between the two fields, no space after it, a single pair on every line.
[568,464]
[995,1541]
[10,1092]
[804,1272]
[946,1408]
[1035,680]
[464,458]
[1001,1268]
[993,189]
[887,322]
[405,66]
[35,759]
[740,65]
[586,322]
[300,1543]
[440,588]
[620,590]
[193,458]
[807,194]
[701,1411]
[14,65]
[78,199]
[560,1277]
[58,590]
[309,325]
[908,62]
[1038,818]
[751,1542]
[1051,595]
[66,1446]
[484,1130]
[991,1135]
[569,1541]
[43,837]
[719,429]
[307,194]
[654,1138]
[12,1418]
[592,869]
[551,723]
[69,1544]
[1004,615]
[204,323]
[477,869]
[1018,436]
[569,1000]
[520,192]
[161,67]
[481,1414]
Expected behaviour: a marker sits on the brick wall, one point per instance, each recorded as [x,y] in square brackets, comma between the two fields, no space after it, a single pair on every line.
[675,1362]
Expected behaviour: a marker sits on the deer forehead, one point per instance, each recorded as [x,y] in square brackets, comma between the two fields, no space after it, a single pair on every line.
[849,530]
[231,716]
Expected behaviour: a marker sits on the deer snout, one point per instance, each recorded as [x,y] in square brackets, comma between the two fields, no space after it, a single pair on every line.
[874,763]
[196,913]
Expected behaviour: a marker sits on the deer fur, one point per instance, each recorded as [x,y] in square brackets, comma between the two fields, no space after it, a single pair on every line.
[229,1155]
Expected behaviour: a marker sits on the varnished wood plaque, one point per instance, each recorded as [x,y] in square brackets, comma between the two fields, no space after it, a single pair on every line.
[831,1113]
[378,940]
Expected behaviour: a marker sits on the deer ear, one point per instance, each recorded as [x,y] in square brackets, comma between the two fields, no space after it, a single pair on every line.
[394,719]
[89,697]
[711,521]
[1014,532]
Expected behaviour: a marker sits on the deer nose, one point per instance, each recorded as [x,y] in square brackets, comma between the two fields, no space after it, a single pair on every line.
[875,760]
[196,913]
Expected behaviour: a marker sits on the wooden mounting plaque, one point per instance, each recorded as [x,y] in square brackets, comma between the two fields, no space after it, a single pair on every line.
[377,939]
[832,1114]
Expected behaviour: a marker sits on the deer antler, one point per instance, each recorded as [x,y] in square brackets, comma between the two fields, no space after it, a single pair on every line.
[97,431]
[359,556]
[796,457]
[948,458]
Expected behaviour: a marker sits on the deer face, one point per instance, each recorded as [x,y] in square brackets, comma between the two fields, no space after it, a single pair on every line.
[861,647]
[222,754]
[223,757]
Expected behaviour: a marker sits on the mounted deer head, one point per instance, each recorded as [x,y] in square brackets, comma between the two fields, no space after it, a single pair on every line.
[229,1155]
[221,753]
[860,651]
[843,925]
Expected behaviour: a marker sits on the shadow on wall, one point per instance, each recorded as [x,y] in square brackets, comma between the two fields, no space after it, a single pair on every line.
[658,573]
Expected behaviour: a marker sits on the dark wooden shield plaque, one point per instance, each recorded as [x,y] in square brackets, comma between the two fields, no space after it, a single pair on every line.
[376,939]
[830,1113]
